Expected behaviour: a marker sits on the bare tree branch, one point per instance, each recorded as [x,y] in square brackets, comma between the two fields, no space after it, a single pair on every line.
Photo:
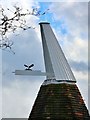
[17,21]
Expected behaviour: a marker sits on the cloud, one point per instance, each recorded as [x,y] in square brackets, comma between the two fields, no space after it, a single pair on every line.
[18,98]
[73,17]
[24,4]
[73,14]
[79,66]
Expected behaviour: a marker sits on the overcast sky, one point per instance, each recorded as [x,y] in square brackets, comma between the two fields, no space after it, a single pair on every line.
[69,21]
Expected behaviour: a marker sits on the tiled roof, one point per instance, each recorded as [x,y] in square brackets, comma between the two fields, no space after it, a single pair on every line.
[59,102]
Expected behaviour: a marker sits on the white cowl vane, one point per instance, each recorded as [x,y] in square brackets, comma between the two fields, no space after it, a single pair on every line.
[55,61]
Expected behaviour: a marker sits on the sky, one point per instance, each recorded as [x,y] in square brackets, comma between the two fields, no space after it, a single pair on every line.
[69,21]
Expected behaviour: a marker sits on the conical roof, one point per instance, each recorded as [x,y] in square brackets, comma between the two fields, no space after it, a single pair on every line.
[59,102]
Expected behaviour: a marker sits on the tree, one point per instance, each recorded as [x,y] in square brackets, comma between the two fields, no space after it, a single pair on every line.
[13,23]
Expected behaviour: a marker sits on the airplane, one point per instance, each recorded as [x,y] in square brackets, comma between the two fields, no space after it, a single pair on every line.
[28,67]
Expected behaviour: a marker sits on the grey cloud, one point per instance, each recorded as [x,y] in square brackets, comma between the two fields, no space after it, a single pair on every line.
[19,96]
[89,66]
[79,66]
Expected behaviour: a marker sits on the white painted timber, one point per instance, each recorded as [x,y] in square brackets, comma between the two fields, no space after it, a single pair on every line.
[55,61]
[32,73]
